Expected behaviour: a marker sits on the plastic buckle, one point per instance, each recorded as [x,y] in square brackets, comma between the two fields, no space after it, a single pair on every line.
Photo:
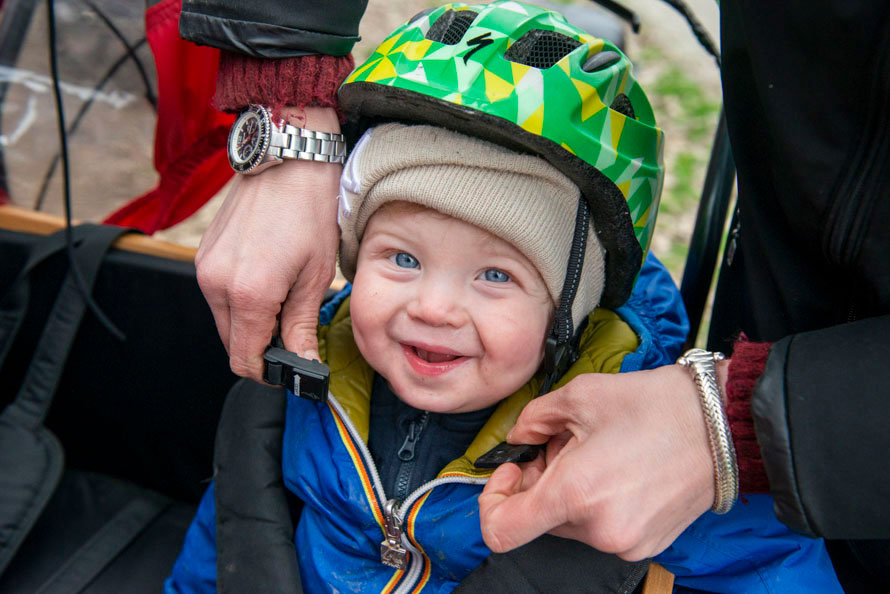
[507,452]
[553,353]
[304,377]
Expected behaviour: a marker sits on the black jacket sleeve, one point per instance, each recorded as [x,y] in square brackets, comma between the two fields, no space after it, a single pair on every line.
[805,91]
[272,28]
[822,415]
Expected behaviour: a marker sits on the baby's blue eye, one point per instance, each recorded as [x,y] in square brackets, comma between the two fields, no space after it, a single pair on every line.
[404,260]
[496,276]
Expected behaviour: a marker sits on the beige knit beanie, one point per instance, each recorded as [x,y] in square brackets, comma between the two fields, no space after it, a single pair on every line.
[519,198]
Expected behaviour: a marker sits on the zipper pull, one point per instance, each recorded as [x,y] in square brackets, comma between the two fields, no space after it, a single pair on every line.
[392,553]
[406,452]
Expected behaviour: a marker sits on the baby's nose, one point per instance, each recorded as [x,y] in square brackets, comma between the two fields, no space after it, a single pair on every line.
[437,304]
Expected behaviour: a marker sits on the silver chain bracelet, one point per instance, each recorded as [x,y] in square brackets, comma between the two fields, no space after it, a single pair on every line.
[702,365]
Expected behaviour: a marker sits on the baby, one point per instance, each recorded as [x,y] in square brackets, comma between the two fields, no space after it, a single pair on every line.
[458,274]
[503,190]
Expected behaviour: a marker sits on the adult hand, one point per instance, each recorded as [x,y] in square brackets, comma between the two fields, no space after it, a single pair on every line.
[627,468]
[271,252]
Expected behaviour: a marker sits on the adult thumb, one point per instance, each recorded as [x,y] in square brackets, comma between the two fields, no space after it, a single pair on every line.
[509,516]
[299,320]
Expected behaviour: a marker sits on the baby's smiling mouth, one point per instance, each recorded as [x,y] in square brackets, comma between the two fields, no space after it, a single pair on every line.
[432,357]
[432,360]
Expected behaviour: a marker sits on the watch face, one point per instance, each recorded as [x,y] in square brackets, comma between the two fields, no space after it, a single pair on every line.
[249,139]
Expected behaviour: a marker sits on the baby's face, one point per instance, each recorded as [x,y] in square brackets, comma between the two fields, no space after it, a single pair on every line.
[452,316]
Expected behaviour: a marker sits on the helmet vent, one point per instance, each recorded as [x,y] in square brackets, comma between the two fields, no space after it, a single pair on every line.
[601,61]
[420,14]
[622,105]
[541,49]
[451,26]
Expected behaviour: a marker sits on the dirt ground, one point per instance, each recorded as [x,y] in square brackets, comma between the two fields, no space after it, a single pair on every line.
[111,149]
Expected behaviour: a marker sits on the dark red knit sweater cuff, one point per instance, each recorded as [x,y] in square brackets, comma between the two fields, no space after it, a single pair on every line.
[304,81]
[747,364]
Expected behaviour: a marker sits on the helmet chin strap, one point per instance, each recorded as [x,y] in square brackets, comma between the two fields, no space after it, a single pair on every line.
[561,348]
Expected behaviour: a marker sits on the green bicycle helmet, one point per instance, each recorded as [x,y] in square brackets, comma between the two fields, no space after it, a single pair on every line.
[523,77]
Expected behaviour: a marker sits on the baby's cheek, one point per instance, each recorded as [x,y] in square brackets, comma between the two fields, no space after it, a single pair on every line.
[518,345]
[362,312]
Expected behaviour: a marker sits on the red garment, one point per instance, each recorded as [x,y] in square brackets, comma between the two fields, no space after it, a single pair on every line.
[303,81]
[191,134]
[190,137]
[746,366]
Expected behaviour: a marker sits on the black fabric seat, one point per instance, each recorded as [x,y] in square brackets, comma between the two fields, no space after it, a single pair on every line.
[99,534]
[105,445]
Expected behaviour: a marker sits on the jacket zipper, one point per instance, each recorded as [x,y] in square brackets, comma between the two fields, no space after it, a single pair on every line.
[406,454]
[401,511]
[391,554]
[395,545]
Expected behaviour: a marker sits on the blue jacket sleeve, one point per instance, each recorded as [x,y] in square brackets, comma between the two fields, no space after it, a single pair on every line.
[195,568]
[656,313]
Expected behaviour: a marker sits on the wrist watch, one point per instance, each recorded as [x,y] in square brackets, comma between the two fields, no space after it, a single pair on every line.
[256,142]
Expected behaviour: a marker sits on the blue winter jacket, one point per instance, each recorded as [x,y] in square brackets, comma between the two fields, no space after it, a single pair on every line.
[346,516]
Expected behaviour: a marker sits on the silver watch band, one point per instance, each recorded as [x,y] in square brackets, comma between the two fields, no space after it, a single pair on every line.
[702,365]
[292,142]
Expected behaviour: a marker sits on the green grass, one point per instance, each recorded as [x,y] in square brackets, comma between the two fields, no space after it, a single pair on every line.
[688,116]
[684,193]
[698,110]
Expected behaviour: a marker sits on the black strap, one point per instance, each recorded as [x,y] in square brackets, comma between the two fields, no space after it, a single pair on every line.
[94,555]
[560,348]
[553,564]
[562,321]
[31,458]
[254,527]
[14,303]
[45,372]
